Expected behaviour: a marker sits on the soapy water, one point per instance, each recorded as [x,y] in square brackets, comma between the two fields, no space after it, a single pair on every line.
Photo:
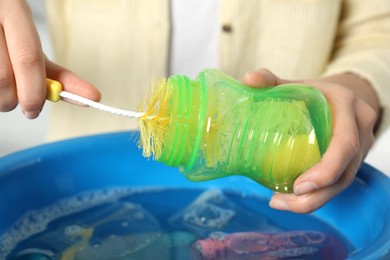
[123,223]
[36,221]
[209,211]
[213,211]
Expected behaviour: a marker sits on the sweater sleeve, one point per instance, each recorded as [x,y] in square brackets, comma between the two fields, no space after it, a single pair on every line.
[362,47]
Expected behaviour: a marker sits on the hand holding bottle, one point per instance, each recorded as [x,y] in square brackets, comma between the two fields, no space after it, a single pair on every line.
[355,112]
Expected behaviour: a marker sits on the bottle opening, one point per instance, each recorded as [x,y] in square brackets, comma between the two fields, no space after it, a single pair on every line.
[172,125]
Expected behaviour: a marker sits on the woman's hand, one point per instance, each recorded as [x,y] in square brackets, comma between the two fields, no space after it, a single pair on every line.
[355,109]
[23,66]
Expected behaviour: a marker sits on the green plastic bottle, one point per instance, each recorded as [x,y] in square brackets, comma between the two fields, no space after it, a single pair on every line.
[214,126]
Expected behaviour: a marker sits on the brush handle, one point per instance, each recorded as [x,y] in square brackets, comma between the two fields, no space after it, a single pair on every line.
[55,93]
[53,90]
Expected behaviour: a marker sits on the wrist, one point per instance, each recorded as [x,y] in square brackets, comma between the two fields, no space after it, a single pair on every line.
[362,89]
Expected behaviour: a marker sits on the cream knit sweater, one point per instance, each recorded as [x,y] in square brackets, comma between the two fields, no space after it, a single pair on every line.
[121,45]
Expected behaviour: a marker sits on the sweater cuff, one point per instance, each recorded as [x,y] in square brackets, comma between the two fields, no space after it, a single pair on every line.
[373,66]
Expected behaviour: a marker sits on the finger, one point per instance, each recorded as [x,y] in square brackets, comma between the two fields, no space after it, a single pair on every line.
[262,78]
[312,201]
[343,147]
[71,82]
[8,98]
[26,56]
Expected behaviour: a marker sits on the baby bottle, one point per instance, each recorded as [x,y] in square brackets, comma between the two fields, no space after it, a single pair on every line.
[214,126]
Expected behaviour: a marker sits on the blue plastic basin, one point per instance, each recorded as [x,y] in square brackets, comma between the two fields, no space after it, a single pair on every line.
[40,176]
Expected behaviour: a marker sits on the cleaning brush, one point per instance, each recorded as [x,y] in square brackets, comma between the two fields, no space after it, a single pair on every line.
[55,92]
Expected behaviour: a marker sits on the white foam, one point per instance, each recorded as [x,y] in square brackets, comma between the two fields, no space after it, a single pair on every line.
[73,231]
[210,210]
[294,252]
[36,221]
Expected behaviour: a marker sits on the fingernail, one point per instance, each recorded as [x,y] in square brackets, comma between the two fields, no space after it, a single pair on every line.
[31,114]
[278,204]
[305,187]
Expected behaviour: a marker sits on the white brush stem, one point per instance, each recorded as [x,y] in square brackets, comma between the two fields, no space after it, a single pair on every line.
[97,105]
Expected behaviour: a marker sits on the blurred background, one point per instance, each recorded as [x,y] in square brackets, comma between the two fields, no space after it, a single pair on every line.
[17,132]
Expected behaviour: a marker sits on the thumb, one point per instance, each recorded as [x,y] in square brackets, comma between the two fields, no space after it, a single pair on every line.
[262,78]
[71,82]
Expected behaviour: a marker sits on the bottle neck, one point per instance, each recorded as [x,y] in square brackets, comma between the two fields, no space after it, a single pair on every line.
[186,110]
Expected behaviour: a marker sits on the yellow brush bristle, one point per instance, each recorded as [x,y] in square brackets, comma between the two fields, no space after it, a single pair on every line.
[155,123]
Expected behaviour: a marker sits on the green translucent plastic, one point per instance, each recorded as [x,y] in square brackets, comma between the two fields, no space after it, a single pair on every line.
[220,127]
